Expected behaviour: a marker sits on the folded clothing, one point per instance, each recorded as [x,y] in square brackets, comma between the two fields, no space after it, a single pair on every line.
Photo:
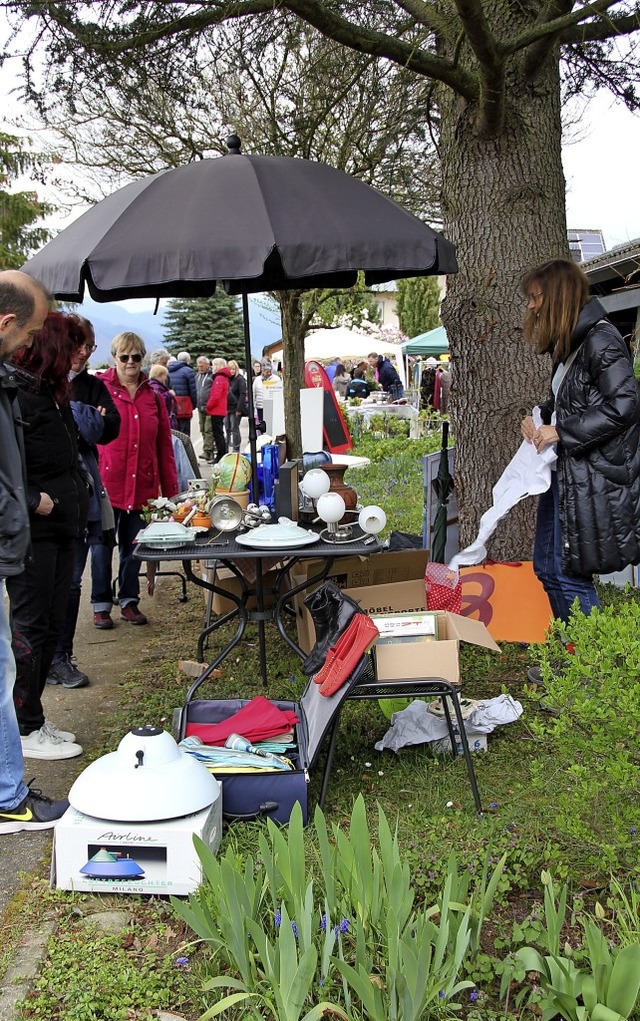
[257,720]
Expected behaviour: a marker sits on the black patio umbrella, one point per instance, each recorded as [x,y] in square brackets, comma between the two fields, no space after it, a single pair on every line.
[250,223]
[442,487]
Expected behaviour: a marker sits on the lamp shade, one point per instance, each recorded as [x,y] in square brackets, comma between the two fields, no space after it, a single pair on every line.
[314,483]
[372,519]
[331,507]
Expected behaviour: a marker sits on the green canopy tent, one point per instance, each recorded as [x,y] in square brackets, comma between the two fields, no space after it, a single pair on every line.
[432,343]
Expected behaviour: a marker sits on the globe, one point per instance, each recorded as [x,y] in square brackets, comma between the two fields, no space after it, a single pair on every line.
[233,473]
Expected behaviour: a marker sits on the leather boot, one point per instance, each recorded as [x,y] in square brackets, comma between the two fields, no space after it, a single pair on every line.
[331,610]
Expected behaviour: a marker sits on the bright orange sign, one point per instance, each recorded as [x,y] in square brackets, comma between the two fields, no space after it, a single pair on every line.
[508,599]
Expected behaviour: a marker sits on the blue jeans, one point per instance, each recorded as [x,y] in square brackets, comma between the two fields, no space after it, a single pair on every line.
[128,524]
[13,789]
[561,588]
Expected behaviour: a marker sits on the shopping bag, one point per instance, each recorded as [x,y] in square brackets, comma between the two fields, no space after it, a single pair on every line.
[184,406]
[443,588]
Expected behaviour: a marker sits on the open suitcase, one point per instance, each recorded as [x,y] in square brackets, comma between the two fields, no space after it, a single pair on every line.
[252,795]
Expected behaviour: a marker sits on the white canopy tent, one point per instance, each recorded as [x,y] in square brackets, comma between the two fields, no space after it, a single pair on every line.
[347,345]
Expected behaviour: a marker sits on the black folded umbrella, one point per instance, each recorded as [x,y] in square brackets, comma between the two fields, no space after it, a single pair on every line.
[443,488]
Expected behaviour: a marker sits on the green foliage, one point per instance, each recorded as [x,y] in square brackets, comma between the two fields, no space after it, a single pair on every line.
[605,989]
[283,935]
[418,305]
[206,326]
[19,210]
[91,975]
[345,307]
[593,737]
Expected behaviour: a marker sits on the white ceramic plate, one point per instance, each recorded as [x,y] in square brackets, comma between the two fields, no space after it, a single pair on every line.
[265,536]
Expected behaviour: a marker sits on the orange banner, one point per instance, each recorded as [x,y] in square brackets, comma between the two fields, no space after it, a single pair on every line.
[508,599]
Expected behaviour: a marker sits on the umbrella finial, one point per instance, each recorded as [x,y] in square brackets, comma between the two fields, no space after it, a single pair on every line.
[233,145]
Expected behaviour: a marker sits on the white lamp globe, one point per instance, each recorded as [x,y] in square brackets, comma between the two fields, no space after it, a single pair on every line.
[372,519]
[331,507]
[314,483]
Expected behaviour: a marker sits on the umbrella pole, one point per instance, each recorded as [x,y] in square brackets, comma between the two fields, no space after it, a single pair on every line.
[262,645]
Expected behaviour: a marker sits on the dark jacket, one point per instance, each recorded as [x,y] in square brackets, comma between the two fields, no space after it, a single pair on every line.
[52,462]
[14,516]
[203,388]
[167,399]
[217,403]
[598,421]
[237,396]
[389,379]
[183,381]
[91,390]
[88,393]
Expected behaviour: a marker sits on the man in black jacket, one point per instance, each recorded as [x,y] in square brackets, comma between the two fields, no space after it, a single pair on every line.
[89,396]
[24,304]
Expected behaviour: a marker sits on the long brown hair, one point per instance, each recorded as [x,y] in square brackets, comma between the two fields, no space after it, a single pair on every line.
[565,289]
[52,351]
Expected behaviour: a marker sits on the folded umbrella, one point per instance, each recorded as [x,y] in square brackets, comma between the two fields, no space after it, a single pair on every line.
[257,720]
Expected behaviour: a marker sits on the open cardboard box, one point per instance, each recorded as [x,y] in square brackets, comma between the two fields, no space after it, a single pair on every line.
[413,659]
[350,573]
[420,659]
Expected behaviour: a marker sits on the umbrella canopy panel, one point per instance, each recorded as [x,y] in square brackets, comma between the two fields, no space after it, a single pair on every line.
[434,342]
[255,223]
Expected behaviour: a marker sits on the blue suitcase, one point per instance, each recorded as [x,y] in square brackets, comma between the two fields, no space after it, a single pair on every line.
[251,795]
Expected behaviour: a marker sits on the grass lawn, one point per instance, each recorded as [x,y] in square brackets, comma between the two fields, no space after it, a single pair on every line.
[543,806]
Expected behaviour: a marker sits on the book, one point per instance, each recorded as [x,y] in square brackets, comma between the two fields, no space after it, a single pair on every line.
[397,628]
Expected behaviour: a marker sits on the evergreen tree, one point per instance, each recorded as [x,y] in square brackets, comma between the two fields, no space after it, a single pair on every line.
[19,210]
[418,305]
[206,326]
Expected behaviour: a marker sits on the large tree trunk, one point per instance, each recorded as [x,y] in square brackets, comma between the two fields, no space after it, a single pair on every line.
[503,205]
[294,326]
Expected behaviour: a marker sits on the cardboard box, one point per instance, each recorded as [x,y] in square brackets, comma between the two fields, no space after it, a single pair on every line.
[163,849]
[420,659]
[413,659]
[394,567]
[228,581]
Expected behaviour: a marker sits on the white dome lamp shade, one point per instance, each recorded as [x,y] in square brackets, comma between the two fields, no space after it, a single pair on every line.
[331,508]
[315,483]
[372,519]
[147,779]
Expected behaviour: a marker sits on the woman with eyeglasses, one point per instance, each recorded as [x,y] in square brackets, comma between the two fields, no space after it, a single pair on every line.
[136,467]
[589,519]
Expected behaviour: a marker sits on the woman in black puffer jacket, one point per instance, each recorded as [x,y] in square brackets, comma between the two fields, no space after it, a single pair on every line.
[58,501]
[589,520]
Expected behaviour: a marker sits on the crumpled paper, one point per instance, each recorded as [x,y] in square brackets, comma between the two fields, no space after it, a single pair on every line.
[416,725]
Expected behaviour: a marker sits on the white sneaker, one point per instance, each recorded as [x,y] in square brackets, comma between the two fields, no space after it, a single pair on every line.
[45,744]
[64,735]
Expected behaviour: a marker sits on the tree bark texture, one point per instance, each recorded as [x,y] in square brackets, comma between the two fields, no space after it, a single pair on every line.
[294,327]
[503,206]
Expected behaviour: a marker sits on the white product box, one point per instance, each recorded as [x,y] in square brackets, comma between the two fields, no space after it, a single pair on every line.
[164,850]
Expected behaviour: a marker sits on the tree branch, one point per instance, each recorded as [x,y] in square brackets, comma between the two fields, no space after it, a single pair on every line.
[483,44]
[130,36]
[612,28]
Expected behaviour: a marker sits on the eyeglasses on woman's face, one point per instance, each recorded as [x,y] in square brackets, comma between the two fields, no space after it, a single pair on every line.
[534,298]
[137,358]
[87,347]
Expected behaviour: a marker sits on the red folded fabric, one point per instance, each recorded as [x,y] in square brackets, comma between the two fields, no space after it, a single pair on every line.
[257,720]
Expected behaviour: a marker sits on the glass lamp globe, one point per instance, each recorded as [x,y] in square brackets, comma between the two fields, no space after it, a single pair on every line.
[372,519]
[330,507]
[314,483]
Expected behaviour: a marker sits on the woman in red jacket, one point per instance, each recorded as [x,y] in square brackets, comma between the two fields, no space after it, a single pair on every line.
[135,468]
[217,403]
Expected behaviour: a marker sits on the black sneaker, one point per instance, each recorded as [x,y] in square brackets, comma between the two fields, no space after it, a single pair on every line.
[63,671]
[36,812]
